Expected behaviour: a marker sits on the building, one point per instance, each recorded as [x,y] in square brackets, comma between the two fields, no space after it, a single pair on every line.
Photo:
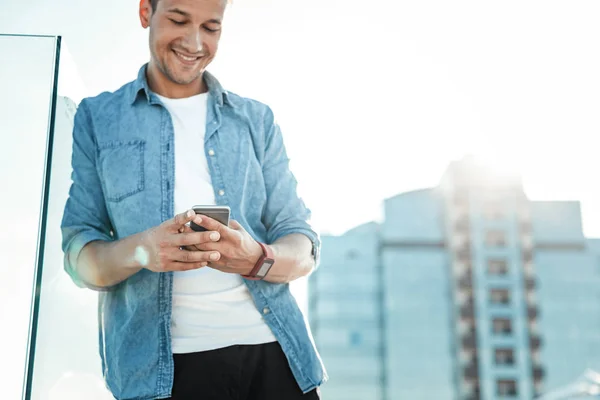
[465,291]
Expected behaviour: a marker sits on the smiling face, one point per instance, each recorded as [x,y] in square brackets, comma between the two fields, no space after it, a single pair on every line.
[184,38]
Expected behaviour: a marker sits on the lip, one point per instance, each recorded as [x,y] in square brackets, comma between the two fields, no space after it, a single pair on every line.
[185,58]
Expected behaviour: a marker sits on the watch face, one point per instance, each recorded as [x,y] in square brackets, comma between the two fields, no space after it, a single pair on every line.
[264,269]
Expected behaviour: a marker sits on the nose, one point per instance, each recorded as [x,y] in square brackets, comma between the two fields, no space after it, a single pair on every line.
[192,42]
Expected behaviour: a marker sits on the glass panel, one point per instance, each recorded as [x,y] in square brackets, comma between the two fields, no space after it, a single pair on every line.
[497,267]
[504,357]
[506,388]
[500,296]
[67,364]
[502,326]
[27,85]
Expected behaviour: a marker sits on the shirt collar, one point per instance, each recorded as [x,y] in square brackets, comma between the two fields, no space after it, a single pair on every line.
[214,87]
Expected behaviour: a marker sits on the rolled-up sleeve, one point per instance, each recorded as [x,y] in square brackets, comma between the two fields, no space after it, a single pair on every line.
[85,217]
[285,211]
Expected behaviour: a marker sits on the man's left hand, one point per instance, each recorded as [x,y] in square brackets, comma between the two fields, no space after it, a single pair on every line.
[239,251]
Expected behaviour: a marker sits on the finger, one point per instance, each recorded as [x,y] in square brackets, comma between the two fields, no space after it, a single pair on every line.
[198,247]
[180,266]
[186,229]
[186,256]
[181,219]
[213,225]
[211,246]
[193,238]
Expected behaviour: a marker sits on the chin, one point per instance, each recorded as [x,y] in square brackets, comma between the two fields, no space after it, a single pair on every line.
[182,77]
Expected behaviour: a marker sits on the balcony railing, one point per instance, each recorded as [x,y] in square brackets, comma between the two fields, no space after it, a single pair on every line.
[460,240]
[467,310]
[527,242]
[532,312]
[535,342]
[530,283]
[475,394]
[469,341]
[538,373]
[528,272]
[464,253]
[471,371]
[466,281]
[460,267]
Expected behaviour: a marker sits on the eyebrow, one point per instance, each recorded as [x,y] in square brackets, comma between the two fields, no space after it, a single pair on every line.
[187,15]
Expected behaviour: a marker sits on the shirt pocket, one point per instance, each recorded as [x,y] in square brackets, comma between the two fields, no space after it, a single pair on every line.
[122,168]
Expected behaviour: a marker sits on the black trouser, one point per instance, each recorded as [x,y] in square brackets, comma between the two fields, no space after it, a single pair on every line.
[244,372]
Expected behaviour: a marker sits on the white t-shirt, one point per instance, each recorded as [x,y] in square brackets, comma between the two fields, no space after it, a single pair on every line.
[211,309]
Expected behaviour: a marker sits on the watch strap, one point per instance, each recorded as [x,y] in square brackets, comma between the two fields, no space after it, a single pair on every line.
[263,265]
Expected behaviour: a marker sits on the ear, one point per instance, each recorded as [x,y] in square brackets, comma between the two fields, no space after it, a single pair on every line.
[145,13]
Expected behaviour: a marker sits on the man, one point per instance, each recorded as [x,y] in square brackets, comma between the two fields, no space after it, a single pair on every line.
[184,314]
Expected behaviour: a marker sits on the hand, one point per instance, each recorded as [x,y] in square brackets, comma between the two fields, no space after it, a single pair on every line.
[239,251]
[163,250]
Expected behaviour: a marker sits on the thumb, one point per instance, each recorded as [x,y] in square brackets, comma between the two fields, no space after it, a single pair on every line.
[181,219]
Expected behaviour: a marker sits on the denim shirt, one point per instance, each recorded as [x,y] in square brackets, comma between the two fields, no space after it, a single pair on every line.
[123,181]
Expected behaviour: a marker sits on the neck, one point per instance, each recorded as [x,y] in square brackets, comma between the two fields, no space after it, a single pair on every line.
[161,85]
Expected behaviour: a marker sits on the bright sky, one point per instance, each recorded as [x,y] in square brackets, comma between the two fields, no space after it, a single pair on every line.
[376,98]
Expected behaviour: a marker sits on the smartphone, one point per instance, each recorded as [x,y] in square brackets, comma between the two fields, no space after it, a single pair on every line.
[218,213]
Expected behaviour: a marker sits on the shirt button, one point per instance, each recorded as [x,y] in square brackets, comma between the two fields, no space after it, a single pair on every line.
[265,310]
[221,192]
[211,152]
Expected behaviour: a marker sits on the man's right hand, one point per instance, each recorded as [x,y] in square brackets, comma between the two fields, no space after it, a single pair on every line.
[166,247]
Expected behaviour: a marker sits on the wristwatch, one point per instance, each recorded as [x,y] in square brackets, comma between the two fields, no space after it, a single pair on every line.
[263,265]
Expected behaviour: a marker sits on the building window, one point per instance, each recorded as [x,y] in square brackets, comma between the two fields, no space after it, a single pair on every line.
[500,296]
[506,387]
[495,239]
[502,326]
[504,357]
[497,267]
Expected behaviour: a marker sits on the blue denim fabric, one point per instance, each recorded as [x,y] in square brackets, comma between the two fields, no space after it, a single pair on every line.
[123,175]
